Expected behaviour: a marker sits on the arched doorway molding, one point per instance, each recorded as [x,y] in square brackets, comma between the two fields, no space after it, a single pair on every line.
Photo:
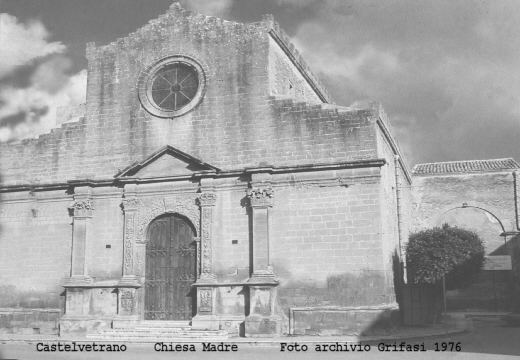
[467,206]
[140,216]
[494,212]
[185,207]
[166,214]
[487,291]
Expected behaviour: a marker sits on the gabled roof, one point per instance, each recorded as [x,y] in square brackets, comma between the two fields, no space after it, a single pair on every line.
[467,166]
[167,161]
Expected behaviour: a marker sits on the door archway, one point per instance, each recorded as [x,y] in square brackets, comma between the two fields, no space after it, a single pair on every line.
[490,289]
[170,269]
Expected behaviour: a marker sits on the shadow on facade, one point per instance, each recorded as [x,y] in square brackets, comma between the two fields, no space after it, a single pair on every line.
[1,207]
[345,304]
[509,247]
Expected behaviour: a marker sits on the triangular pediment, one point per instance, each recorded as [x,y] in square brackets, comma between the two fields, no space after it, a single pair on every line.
[167,162]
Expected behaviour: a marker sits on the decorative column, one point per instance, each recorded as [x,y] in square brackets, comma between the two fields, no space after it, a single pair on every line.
[127,287]
[78,285]
[206,282]
[129,205]
[260,201]
[81,212]
[262,320]
[206,201]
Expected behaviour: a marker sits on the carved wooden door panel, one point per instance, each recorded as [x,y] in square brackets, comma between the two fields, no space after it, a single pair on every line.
[170,269]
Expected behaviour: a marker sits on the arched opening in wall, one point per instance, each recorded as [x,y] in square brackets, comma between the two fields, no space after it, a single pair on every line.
[490,289]
[170,269]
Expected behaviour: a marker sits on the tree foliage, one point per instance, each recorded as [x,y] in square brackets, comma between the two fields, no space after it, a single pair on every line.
[446,251]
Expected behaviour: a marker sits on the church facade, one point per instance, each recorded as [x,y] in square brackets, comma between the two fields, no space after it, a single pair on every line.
[211,181]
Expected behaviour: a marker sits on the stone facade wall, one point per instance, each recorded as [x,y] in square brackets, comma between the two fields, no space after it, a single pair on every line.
[435,195]
[231,235]
[35,248]
[236,125]
[285,79]
[105,229]
[388,201]
[326,244]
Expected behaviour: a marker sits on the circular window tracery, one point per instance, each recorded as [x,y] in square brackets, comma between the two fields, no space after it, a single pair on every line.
[172,87]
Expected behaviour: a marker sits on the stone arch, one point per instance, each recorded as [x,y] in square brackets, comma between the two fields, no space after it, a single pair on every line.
[435,214]
[148,210]
[185,206]
[173,213]
[491,191]
[466,206]
[484,222]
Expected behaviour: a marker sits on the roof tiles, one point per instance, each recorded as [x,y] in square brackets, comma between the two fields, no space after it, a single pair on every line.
[467,166]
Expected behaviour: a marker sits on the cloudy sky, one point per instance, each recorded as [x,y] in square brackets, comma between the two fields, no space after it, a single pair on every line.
[447,72]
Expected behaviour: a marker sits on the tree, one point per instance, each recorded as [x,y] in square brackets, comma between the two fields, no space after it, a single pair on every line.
[446,251]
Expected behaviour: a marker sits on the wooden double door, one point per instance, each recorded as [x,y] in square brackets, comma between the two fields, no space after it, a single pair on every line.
[170,269]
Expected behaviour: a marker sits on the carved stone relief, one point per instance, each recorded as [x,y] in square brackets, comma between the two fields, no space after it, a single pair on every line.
[129,242]
[127,300]
[206,201]
[183,205]
[140,254]
[206,240]
[139,213]
[197,240]
[206,300]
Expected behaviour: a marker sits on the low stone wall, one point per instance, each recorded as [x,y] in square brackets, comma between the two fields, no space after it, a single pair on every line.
[341,320]
[29,321]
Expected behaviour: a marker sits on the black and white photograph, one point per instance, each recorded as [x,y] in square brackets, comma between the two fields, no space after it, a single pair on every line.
[242,179]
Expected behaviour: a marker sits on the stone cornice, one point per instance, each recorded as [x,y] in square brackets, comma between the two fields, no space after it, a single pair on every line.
[382,123]
[369,163]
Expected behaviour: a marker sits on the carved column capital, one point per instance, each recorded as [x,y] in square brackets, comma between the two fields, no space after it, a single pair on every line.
[81,208]
[129,204]
[260,197]
[207,199]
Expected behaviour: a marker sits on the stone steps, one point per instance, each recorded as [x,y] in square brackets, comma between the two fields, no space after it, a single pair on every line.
[156,331]
[152,323]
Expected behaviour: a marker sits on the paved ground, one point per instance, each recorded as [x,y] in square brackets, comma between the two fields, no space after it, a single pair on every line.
[490,339]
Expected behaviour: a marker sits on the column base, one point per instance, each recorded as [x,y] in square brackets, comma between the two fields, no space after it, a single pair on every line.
[129,281]
[266,277]
[207,278]
[80,325]
[205,322]
[262,326]
[78,280]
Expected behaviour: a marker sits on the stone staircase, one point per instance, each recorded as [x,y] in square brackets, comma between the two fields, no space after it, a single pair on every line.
[157,331]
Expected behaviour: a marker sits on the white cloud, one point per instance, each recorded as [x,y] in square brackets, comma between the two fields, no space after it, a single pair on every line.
[21,44]
[31,110]
[27,112]
[446,72]
[296,3]
[210,7]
